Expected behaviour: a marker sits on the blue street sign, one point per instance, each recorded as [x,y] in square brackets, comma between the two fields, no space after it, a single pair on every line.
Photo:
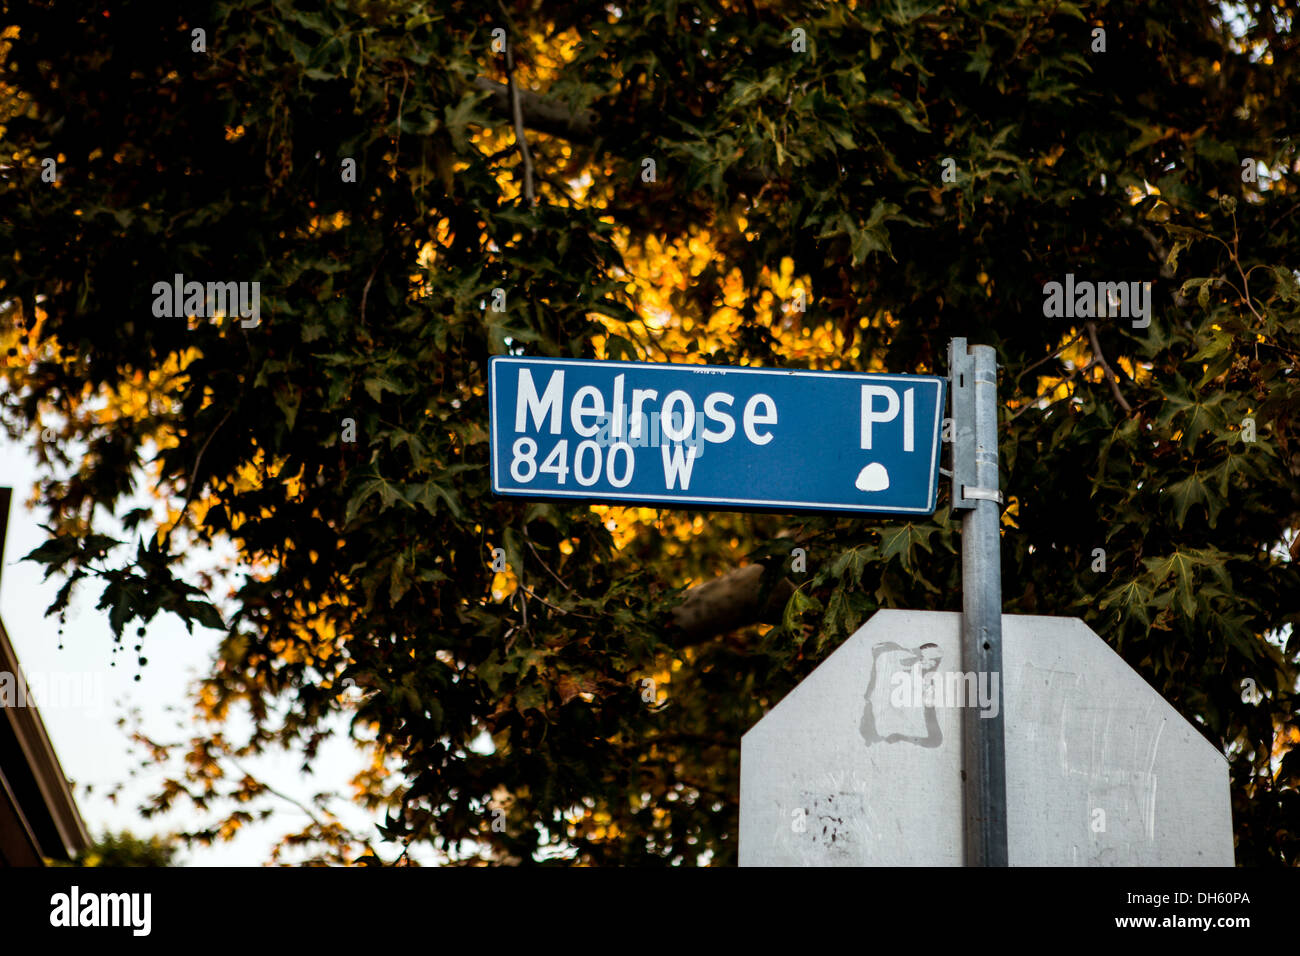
[714,437]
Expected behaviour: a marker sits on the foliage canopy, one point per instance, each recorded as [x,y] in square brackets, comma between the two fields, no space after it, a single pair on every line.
[775,170]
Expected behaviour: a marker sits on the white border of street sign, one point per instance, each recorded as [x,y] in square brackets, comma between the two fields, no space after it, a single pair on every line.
[692,501]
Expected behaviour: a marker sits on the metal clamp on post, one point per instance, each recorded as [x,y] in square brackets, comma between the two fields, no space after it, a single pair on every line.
[981,494]
[961,389]
[967,453]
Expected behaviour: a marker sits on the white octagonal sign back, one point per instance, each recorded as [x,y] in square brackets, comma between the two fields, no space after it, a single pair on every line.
[860,765]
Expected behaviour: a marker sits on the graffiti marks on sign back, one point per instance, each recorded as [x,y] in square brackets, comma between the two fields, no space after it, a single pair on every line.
[833,822]
[900,696]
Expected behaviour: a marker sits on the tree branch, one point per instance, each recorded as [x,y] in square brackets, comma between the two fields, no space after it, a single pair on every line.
[732,601]
[539,114]
[194,474]
[1030,368]
[577,126]
[517,113]
[1107,372]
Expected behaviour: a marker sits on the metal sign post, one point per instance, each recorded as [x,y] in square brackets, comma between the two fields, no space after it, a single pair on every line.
[973,376]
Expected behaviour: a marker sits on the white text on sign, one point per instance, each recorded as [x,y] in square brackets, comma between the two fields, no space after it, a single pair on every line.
[590,415]
[889,413]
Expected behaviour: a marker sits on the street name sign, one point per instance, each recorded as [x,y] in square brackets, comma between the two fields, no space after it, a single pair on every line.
[672,435]
[861,764]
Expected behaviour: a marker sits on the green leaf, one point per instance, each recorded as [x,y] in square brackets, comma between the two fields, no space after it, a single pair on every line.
[54,552]
[118,614]
[900,540]
[850,565]
[905,110]
[1186,493]
[378,384]
[459,117]
[428,494]
[1220,343]
[1287,286]
[1181,567]
[799,603]
[389,497]
[399,582]
[1129,598]
[288,404]
[980,61]
[206,614]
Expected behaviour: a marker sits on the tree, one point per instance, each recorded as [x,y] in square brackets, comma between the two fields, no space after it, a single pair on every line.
[126,849]
[699,171]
